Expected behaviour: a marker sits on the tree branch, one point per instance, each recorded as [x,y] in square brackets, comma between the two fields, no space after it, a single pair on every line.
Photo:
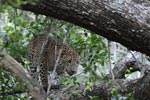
[126,63]
[126,22]
[14,92]
[139,88]
[16,69]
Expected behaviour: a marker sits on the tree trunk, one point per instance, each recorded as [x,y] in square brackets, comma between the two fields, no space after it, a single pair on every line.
[123,21]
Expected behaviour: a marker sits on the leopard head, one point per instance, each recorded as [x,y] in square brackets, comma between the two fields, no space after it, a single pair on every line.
[69,59]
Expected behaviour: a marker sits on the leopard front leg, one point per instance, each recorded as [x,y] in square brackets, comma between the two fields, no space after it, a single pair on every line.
[43,76]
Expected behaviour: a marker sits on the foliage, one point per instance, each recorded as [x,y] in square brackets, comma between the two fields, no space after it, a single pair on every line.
[15,43]
[117,96]
[21,26]
[9,86]
[15,3]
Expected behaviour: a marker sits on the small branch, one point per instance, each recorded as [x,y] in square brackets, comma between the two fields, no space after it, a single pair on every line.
[127,62]
[59,54]
[57,60]
[14,92]
[14,19]
[133,55]
[110,65]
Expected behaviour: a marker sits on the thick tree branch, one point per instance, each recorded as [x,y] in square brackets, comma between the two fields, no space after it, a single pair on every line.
[126,22]
[128,62]
[16,69]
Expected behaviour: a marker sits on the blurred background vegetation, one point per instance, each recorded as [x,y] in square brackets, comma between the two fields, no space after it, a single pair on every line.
[16,29]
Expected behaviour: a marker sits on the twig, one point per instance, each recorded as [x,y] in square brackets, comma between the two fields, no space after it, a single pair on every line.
[59,54]
[109,55]
[57,60]
[14,92]
[15,14]
[133,55]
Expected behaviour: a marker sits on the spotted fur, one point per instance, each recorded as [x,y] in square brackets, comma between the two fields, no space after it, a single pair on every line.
[42,62]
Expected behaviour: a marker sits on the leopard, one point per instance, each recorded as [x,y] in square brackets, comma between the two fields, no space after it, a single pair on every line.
[43,52]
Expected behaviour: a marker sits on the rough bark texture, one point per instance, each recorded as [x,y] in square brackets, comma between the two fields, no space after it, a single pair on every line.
[123,21]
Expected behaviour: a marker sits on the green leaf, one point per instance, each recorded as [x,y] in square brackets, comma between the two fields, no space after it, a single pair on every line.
[96,98]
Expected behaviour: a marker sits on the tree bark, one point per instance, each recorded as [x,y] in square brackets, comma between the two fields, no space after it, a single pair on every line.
[123,21]
[16,69]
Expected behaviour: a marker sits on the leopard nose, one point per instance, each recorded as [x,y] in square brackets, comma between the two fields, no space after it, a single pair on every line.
[72,72]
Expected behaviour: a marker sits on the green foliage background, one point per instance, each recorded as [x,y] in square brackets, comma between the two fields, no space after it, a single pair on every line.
[20,26]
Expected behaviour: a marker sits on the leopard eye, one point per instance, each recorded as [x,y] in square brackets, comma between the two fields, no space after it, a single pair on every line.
[69,61]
